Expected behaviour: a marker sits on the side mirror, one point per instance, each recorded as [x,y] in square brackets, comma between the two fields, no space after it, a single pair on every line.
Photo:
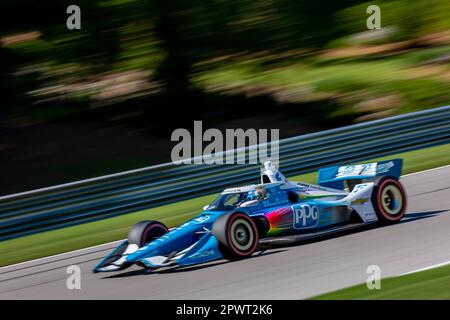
[206,207]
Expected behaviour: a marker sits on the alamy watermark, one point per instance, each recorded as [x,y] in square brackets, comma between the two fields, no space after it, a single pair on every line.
[237,146]
[74,20]
[374,20]
[374,280]
[73,282]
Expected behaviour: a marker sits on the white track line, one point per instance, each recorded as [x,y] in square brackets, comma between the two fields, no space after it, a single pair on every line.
[117,241]
[427,268]
[423,171]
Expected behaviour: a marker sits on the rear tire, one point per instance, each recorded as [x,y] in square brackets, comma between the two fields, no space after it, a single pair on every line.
[237,235]
[389,200]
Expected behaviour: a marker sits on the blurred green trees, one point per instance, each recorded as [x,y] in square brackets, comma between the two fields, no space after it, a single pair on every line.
[182,43]
[81,103]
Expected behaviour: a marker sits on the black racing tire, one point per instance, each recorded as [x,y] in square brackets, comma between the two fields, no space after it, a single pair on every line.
[145,231]
[389,200]
[237,235]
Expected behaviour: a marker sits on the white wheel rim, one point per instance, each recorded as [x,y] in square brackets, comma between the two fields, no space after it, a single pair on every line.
[392,200]
[241,234]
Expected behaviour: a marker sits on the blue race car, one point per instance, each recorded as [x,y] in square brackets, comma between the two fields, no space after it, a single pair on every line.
[276,211]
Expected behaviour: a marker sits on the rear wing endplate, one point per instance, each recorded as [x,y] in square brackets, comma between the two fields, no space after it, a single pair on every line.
[334,177]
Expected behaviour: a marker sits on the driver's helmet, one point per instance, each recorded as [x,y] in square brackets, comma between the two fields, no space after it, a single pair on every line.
[251,195]
[261,192]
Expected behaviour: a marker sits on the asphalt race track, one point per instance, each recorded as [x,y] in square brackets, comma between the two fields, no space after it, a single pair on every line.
[420,240]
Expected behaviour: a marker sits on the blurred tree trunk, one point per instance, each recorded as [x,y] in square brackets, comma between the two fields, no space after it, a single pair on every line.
[175,69]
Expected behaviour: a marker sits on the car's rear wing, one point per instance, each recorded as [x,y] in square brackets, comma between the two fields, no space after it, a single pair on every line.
[334,177]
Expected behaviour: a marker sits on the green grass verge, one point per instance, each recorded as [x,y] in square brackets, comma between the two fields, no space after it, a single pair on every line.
[432,284]
[94,233]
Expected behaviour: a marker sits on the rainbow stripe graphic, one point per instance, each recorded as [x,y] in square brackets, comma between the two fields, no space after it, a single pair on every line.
[280,220]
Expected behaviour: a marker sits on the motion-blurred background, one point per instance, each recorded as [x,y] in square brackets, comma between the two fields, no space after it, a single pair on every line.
[82,103]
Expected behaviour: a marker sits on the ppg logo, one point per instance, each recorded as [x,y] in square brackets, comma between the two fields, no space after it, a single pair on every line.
[305,216]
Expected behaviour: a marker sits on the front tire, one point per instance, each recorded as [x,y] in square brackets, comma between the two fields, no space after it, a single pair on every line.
[237,235]
[145,231]
[389,200]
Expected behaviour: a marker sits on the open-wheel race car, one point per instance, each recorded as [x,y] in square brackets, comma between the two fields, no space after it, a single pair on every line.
[276,211]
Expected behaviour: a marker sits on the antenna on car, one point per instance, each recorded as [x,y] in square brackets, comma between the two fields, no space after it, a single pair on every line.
[270,174]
